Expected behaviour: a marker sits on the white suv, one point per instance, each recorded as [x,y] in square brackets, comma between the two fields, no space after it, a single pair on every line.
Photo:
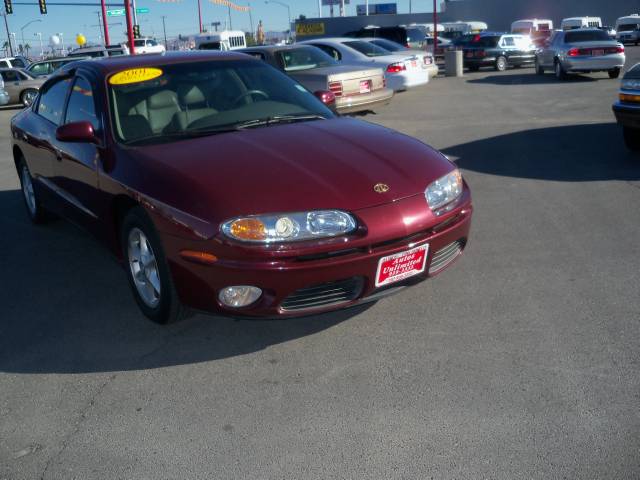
[14,62]
[148,45]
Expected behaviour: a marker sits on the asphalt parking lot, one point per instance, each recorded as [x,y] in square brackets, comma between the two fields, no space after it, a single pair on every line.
[521,361]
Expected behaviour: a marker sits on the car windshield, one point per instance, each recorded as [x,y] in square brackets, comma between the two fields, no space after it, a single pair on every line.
[485,42]
[388,45]
[304,58]
[415,35]
[628,27]
[187,100]
[577,36]
[368,49]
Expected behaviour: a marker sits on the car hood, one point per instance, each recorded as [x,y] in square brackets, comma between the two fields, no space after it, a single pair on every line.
[633,72]
[322,164]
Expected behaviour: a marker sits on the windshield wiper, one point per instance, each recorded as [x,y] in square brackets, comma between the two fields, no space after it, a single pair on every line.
[259,122]
[182,134]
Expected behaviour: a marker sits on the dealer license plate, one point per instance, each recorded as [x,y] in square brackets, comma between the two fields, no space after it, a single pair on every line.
[399,266]
[365,86]
[597,53]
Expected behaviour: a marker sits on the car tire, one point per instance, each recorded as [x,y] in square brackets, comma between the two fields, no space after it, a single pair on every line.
[615,73]
[28,96]
[631,138]
[501,64]
[539,68]
[37,214]
[148,270]
[559,71]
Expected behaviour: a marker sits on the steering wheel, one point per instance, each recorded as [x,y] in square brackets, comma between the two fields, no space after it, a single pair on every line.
[249,93]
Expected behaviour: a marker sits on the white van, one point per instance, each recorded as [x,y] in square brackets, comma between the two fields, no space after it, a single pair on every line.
[225,40]
[628,29]
[531,26]
[581,22]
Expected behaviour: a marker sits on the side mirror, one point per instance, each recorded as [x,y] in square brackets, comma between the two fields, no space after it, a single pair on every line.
[327,97]
[79,132]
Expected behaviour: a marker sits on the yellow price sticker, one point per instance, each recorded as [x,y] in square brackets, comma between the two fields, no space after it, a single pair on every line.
[134,75]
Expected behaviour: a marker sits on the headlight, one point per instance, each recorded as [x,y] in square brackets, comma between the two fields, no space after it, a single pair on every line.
[631,84]
[290,227]
[444,190]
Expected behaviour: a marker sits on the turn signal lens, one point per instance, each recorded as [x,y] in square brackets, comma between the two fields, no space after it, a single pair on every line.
[248,229]
[625,97]
[290,227]
[203,258]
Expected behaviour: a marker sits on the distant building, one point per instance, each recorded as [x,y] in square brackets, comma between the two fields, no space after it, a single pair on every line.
[498,14]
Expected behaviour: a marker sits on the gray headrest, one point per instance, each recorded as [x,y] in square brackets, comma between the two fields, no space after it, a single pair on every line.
[190,95]
[163,99]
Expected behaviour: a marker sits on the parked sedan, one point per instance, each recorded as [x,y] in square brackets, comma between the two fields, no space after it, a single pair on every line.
[425,58]
[401,71]
[627,108]
[45,68]
[582,50]
[21,87]
[498,50]
[258,201]
[4,96]
[355,88]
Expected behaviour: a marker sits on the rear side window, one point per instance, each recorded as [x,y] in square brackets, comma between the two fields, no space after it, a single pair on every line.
[366,48]
[41,69]
[81,105]
[332,52]
[585,36]
[508,42]
[51,105]
[10,76]
[485,42]
[18,63]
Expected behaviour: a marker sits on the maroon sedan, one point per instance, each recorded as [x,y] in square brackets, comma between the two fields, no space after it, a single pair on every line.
[225,186]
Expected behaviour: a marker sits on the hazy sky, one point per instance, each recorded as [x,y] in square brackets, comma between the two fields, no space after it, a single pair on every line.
[182,18]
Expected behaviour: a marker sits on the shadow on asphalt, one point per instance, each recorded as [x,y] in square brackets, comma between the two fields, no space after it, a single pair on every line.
[579,153]
[66,308]
[532,79]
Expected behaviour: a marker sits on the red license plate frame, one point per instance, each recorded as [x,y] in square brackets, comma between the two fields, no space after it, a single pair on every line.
[400,266]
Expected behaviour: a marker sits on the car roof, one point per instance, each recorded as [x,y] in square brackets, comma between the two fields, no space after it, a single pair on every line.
[108,65]
[336,39]
[271,48]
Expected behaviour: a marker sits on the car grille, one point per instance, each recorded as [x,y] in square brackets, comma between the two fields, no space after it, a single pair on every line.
[324,294]
[445,256]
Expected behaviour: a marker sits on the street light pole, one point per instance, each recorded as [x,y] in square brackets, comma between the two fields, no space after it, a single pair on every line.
[15,44]
[288,12]
[61,35]
[25,26]
[39,35]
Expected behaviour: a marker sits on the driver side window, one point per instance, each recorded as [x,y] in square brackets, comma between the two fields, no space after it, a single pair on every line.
[52,100]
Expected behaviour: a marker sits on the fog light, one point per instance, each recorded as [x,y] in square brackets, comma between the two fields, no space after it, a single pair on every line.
[239,295]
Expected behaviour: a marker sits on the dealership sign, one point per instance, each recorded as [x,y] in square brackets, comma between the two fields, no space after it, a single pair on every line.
[303,29]
[378,9]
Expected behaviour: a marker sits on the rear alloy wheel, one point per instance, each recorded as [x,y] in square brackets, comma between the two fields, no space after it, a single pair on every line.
[559,71]
[539,68]
[28,96]
[631,138]
[615,73]
[501,64]
[148,269]
[36,214]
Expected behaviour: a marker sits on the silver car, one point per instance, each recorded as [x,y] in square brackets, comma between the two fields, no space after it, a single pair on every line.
[4,96]
[357,88]
[21,87]
[582,50]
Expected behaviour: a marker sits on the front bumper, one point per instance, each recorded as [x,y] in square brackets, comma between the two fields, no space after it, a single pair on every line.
[593,64]
[282,278]
[627,114]
[4,97]
[358,103]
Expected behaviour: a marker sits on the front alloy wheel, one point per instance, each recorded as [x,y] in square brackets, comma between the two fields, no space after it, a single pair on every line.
[148,270]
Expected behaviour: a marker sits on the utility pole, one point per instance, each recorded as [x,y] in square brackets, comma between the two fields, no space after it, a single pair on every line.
[199,17]
[164,30]
[6,25]
[253,32]
[320,8]
[435,29]
[230,26]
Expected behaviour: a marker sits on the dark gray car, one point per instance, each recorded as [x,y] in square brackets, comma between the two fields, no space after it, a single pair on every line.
[582,50]
[356,88]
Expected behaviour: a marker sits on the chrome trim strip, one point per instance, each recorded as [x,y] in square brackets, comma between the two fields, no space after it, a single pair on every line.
[66,195]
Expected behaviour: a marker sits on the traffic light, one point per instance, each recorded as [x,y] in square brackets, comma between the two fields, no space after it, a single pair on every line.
[8,7]
[43,6]
[136,31]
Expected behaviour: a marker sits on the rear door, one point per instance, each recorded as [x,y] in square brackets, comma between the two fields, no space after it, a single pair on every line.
[11,84]
[39,140]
